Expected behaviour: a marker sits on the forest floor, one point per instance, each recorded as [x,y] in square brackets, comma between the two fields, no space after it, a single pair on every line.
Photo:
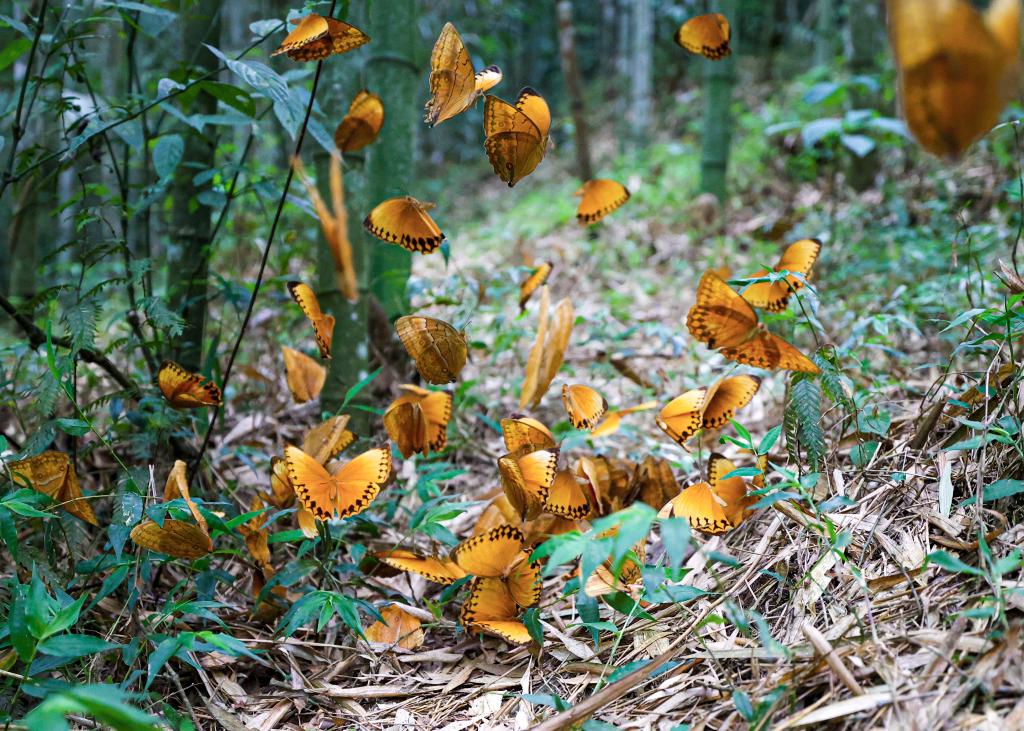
[818,612]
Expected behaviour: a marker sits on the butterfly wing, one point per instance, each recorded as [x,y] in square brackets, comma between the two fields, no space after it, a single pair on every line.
[452,81]
[439,350]
[522,431]
[406,426]
[720,317]
[584,405]
[362,124]
[770,352]
[305,376]
[490,608]
[530,285]
[681,417]
[491,553]
[526,481]
[328,439]
[566,498]
[359,481]
[515,141]
[311,31]
[706,35]
[405,221]
[523,581]
[186,390]
[437,410]
[598,198]
[323,324]
[798,258]
[726,398]
[701,508]
[487,78]
[438,570]
[732,490]
[954,74]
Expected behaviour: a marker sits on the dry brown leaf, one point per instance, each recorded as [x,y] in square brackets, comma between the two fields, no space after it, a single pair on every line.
[305,376]
[52,474]
[533,363]
[257,535]
[334,224]
[175,538]
[398,627]
[177,487]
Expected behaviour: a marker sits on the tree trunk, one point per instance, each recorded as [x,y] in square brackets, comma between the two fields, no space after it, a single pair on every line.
[191,225]
[862,37]
[364,329]
[643,46]
[395,76]
[573,85]
[719,78]
[825,29]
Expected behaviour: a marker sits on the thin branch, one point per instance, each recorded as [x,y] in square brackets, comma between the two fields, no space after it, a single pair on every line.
[37,337]
[263,261]
[17,132]
[8,178]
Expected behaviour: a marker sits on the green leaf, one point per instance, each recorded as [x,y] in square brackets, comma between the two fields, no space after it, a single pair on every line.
[675,536]
[74,427]
[73,645]
[769,439]
[65,617]
[996,490]
[952,563]
[231,95]
[351,393]
[12,51]
[742,702]
[532,621]
[167,153]
[107,704]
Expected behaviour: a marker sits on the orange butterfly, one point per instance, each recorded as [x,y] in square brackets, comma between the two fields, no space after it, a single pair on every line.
[334,224]
[584,405]
[603,581]
[417,421]
[305,376]
[316,37]
[405,221]
[328,439]
[257,535]
[530,285]
[706,408]
[323,323]
[516,136]
[798,258]
[723,320]
[653,482]
[613,420]
[706,35]
[454,87]
[438,349]
[186,390]
[345,492]
[567,498]
[52,474]
[491,608]
[608,481]
[957,68]
[598,198]
[396,627]
[521,431]
[362,124]
[713,507]
[438,570]
[526,476]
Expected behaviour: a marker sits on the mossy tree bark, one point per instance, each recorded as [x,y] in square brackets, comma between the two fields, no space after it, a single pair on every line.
[719,78]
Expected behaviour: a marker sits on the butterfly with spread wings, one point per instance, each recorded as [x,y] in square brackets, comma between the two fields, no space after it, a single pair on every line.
[724,321]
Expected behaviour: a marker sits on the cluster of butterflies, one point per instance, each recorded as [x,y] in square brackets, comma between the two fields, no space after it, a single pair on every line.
[538,498]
